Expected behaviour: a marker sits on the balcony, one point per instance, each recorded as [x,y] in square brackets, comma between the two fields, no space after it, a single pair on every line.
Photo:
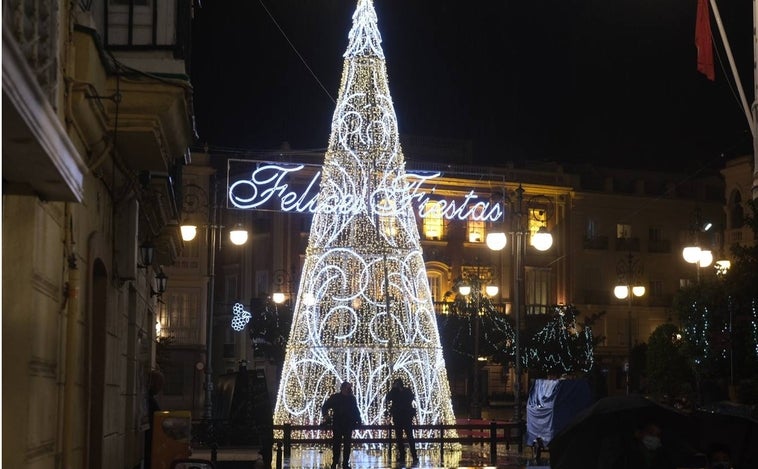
[660,246]
[39,157]
[596,242]
[147,120]
[628,244]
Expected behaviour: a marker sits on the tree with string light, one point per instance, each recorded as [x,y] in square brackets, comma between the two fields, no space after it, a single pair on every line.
[719,317]
[564,346]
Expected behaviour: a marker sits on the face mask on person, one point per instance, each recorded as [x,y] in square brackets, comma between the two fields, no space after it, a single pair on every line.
[651,442]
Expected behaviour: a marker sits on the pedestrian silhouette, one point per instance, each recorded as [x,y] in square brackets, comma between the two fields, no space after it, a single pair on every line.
[345,417]
[399,401]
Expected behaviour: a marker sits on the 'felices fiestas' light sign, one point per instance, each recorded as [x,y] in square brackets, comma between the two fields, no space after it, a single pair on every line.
[270,187]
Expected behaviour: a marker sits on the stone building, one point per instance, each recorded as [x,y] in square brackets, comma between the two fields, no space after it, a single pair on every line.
[598,218]
[97,121]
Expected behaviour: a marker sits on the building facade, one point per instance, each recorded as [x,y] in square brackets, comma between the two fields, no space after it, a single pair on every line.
[97,122]
[599,219]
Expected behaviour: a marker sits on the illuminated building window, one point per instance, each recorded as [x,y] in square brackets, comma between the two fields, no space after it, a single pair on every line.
[435,285]
[180,315]
[537,219]
[433,221]
[475,231]
[623,231]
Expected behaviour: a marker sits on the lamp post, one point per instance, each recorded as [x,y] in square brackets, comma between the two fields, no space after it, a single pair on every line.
[474,288]
[693,253]
[542,240]
[628,270]
[238,236]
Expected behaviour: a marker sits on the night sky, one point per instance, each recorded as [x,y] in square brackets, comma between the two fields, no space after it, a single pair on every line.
[604,81]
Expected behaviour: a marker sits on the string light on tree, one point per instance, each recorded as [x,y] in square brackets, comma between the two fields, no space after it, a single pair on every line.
[363,312]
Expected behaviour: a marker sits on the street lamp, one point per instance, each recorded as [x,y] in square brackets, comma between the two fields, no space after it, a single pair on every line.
[192,204]
[693,253]
[541,240]
[474,288]
[628,271]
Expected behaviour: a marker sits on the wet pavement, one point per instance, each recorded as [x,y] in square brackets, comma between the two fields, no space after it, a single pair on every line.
[320,458]
[472,455]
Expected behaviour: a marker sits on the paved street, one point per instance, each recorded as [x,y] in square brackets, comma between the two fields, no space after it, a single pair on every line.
[467,456]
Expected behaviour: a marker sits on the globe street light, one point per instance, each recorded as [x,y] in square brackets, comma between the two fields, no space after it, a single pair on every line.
[193,203]
[541,240]
[628,270]
[474,288]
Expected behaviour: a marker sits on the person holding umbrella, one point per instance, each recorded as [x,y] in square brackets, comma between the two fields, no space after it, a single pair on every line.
[644,450]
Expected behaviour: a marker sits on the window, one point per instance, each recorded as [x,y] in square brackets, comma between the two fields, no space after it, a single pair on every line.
[231,289]
[537,219]
[538,290]
[623,231]
[591,229]
[654,233]
[432,222]
[180,316]
[435,285]
[736,214]
[656,288]
[475,231]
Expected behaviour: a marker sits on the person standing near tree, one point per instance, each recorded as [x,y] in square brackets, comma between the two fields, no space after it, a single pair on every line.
[400,401]
[345,418]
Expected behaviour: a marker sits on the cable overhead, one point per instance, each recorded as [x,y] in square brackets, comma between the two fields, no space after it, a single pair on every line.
[302,59]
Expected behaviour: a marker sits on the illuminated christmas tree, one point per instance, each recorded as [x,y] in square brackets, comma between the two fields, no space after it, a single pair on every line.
[364,310]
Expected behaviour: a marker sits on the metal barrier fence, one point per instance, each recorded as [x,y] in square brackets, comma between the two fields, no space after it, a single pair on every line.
[491,433]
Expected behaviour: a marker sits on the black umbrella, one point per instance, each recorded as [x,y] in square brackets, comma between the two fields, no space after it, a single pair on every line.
[597,432]
[729,426]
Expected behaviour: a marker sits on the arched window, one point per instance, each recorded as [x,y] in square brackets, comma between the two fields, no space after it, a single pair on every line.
[736,214]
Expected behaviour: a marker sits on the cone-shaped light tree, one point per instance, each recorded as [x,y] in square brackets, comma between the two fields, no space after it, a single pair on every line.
[364,310]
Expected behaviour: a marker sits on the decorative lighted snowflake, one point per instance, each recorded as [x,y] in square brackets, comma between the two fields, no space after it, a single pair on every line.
[240,317]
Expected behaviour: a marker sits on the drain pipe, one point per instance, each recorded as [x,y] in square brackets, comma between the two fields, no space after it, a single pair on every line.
[72,341]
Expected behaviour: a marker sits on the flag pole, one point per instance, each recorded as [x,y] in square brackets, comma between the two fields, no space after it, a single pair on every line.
[755,99]
[738,82]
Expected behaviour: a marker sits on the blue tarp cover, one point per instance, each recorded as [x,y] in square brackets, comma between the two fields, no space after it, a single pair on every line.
[551,406]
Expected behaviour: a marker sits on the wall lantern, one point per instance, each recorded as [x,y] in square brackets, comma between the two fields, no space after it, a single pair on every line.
[146,254]
[161,279]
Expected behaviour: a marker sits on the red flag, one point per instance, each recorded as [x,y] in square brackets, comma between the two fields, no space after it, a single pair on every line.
[704,41]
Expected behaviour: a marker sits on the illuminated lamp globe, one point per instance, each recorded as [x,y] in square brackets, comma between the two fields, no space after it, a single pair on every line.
[542,239]
[188,232]
[496,241]
[491,290]
[691,254]
[238,236]
[278,298]
[706,258]
[621,291]
[464,290]
[638,290]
